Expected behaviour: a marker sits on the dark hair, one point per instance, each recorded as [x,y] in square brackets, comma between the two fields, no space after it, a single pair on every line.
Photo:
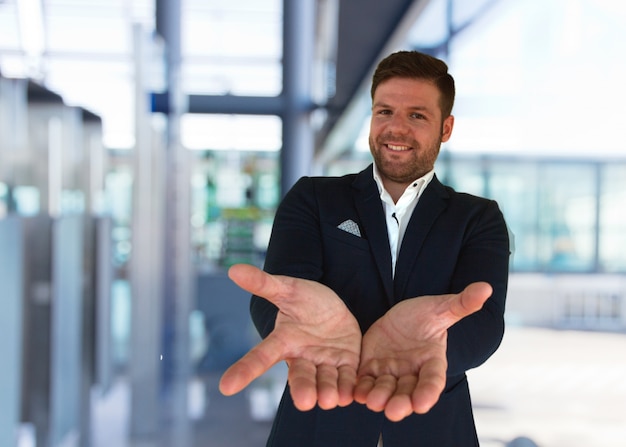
[416,65]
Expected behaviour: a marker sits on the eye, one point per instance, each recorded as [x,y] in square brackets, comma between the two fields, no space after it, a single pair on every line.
[418,116]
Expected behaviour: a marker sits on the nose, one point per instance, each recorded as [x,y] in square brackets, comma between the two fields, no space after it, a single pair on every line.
[398,124]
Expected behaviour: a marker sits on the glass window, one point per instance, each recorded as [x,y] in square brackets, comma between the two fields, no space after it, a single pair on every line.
[232,47]
[231,132]
[613,219]
[464,174]
[513,184]
[550,209]
[566,217]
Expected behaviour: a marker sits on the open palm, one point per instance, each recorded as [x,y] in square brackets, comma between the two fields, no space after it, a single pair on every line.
[403,354]
[314,333]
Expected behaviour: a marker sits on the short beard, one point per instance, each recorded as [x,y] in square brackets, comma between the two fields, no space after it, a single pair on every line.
[405,174]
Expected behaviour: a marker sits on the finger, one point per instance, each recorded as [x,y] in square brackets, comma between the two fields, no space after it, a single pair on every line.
[302,379]
[400,404]
[383,389]
[252,365]
[345,385]
[470,299]
[327,392]
[430,384]
[364,385]
[254,280]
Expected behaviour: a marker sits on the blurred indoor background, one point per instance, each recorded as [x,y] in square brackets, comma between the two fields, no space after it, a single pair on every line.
[145,144]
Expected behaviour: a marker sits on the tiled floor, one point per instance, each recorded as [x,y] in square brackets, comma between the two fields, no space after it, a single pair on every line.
[558,388]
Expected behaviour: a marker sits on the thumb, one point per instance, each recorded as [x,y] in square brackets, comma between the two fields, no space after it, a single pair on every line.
[252,365]
[471,299]
[248,277]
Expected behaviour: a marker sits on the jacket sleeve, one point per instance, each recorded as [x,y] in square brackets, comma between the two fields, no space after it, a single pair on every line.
[484,256]
[295,248]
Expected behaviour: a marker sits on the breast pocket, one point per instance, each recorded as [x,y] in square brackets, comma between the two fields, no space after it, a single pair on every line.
[338,236]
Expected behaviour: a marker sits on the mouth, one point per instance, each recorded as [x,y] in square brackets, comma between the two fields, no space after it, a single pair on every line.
[397,147]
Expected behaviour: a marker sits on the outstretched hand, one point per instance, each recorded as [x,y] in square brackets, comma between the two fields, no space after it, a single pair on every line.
[403,355]
[401,360]
[314,333]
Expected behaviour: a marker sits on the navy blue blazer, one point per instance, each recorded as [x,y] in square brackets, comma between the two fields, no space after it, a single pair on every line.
[452,240]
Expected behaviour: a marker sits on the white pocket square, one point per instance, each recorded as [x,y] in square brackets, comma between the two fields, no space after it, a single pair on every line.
[350,226]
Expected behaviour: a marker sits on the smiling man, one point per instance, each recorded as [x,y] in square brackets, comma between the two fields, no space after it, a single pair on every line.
[382,288]
[406,131]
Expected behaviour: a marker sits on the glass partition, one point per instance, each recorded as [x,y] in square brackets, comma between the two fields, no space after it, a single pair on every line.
[566,216]
[612,234]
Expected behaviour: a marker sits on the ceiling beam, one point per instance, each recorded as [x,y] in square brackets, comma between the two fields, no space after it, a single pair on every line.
[364,38]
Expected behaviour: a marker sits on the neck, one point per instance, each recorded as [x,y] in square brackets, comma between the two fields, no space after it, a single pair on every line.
[394,189]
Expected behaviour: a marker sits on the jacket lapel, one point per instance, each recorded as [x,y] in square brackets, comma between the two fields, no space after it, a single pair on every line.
[372,217]
[430,205]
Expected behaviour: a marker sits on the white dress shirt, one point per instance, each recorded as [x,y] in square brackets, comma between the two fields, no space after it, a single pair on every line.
[398,214]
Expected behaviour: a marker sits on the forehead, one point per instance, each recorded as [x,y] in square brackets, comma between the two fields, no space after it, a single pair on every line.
[407,92]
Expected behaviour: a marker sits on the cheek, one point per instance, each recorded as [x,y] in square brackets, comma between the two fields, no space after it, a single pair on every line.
[374,128]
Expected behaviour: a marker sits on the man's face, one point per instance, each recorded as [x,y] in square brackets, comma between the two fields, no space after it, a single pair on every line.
[406,129]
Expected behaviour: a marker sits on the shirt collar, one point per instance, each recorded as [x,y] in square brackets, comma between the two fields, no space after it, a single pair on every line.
[413,191]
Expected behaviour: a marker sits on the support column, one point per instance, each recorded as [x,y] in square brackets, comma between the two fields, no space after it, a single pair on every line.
[145,275]
[11,321]
[296,155]
[178,271]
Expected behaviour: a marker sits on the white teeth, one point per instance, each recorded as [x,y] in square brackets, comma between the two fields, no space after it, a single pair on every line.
[397,148]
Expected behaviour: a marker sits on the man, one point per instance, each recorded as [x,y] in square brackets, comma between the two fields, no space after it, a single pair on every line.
[382,288]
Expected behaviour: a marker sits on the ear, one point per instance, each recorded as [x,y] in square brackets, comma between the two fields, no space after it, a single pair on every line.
[446,128]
